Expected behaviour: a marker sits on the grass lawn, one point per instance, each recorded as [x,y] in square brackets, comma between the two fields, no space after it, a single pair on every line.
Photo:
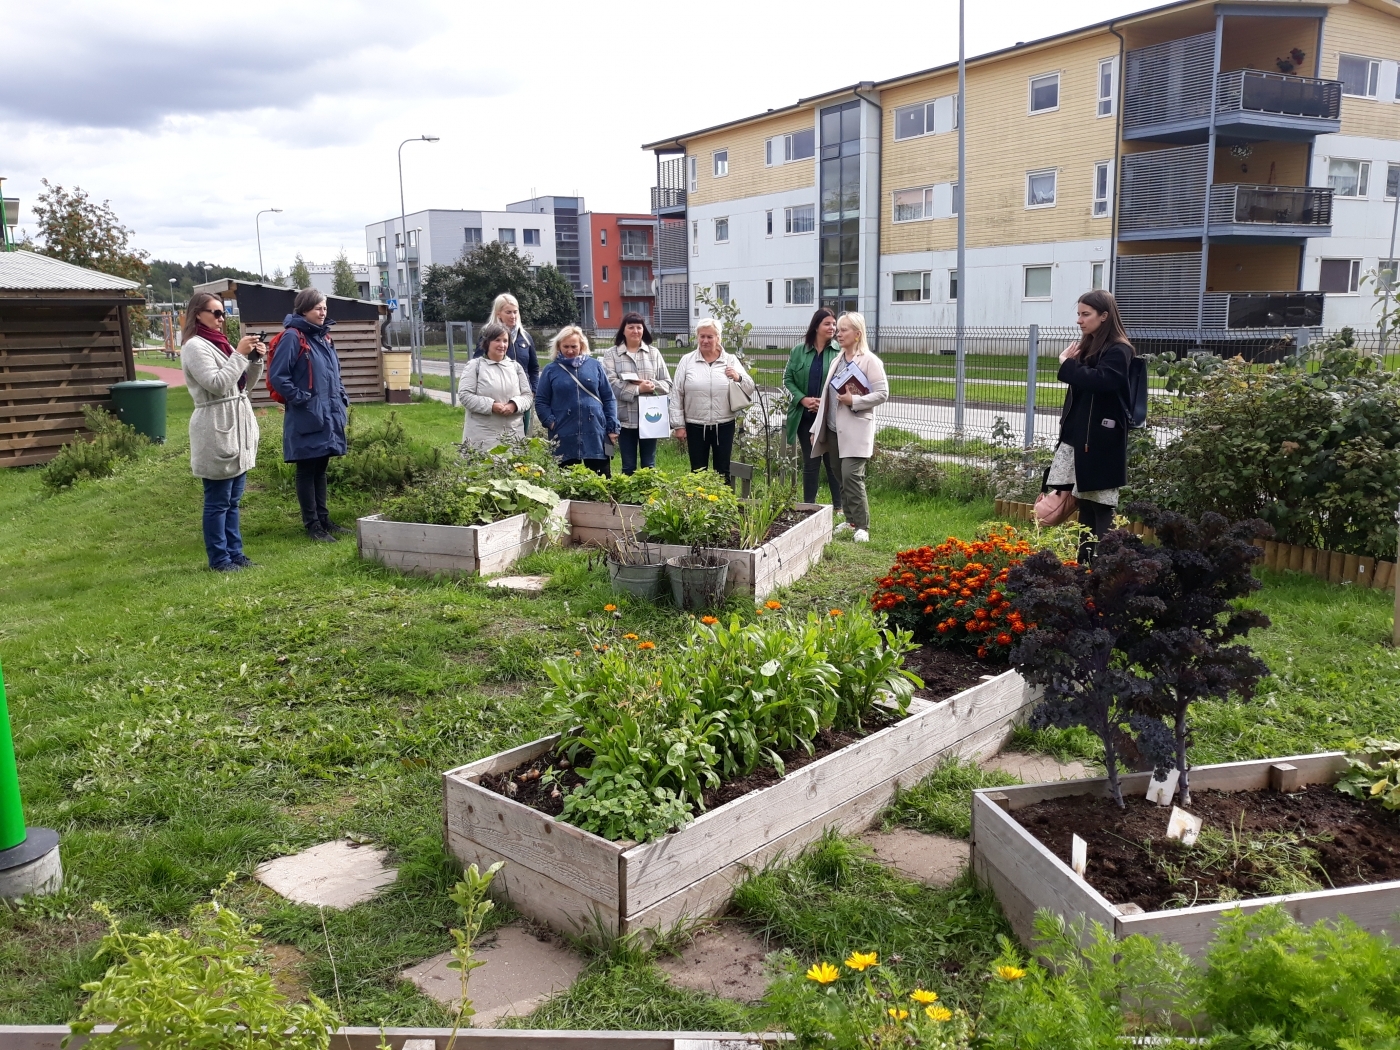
[176,725]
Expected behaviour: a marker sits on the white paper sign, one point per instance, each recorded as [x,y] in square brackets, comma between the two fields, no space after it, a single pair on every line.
[1163,791]
[652,416]
[1078,855]
[1183,826]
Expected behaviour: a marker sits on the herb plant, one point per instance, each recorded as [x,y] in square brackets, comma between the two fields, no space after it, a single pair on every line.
[1374,773]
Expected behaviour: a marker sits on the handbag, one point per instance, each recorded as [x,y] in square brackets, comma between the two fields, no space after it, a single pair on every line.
[738,398]
[1054,507]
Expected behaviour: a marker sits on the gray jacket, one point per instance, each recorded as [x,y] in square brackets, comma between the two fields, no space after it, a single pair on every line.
[701,394]
[646,363]
[484,382]
[223,431]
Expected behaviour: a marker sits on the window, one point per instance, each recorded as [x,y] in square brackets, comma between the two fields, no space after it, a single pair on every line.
[695,297]
[1040,189]
[1038,282]
[721,163]
[1340,276]
[532,237]
[801,219]
[605,275]
[693,172]
[910,121]
[637,306]
[913,287]
[927,118]
[952,286]
[1101,187]
[694,236]
[1359,76]
[722,291]
[800,145]
[799,291]
[768,152]
[381,246]
[1386,271]
[1349,178]
[606,311]
[912,205]
[1045,93]
[769,285]
[721,230]
[413,238]
[1108,69]
[1096,275]
[603,237]
[472,234]
[957,198]
[505,236]
[1392,182]
[768,220]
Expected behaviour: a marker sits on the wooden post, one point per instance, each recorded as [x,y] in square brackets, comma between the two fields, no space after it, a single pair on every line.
[1334,566]
[1366,571]
[1310,561]
[1295,557]
[1349,568]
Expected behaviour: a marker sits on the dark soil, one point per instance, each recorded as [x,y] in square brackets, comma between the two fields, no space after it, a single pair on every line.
[1355,843]
[786,521]
[946,672]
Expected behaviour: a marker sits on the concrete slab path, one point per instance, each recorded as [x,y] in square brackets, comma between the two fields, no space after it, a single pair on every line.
[934,860]
[338,874]
[727,961]
[1035,769]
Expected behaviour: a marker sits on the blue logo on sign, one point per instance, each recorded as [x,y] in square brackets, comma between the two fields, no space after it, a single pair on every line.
[653,416]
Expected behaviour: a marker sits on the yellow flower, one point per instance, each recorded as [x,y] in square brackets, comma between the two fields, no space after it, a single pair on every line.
[898,1015]
[646,645]
[709,621]
[772,605]
[610,608]
[823,973]
[1010,973]
[863,960]
[712,498]
[938,1013]
[921,996]
[630,637]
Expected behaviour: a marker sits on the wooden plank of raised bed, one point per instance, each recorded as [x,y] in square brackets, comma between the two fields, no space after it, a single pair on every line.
[658,869]
[533,840]
[1365,571]
[502,543]
[51,1037]
[504,761]
[424,564]
[458,541]
[787,557]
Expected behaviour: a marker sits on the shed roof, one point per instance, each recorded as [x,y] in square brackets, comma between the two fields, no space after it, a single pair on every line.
[28,271]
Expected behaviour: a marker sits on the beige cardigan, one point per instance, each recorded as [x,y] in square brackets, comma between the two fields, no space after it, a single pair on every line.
[855,426]
[483,382]
[223,431]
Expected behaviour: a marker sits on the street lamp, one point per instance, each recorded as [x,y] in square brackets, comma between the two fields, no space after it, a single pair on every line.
[403,227]
[262,274]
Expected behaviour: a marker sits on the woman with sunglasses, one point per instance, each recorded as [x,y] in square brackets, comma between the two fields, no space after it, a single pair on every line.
[223,431]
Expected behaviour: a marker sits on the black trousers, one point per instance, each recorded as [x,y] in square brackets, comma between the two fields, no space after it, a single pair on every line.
[1099,518]
[598,466]
[704,442]
[311,491]
[812,468]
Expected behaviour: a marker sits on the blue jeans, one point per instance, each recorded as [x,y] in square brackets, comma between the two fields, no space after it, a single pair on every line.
[222,540]
[629,441]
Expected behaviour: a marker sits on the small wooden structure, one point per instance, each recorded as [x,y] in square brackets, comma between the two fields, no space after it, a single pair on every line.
[64,340]
[358,323]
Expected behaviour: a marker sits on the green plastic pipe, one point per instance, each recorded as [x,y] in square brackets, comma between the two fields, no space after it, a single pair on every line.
[12,831]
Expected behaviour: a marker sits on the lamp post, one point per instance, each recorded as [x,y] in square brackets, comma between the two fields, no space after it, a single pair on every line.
[960,336]
[403,232]
[262,274]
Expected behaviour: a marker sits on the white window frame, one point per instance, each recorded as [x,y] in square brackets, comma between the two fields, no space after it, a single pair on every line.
[788,231]
[925,205]
[788,299]
[788,158]
[1054,174]
[1025,276]
[930,122]
[1391,168]
[694,236]
[1373,75]
[769,286]
[725,298]
[603,237]
[1107,105]
[925,287]
[1363,178]
[1030,93]
[1098,273]
[693,173]
[716,221]
[719,161]
[955,202]
[953,285]
[768,152]
[607,312]
[924,107]
[1353,277]
[768,220]
[525,233]
[1102,206]
[605,273]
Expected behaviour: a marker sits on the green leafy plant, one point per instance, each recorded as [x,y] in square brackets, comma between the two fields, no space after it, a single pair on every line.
[761,513]
[84,460]
[1373,772]
[698,510]
[198,987]
[470,897]
[479,488]
[381,458]
[618,805]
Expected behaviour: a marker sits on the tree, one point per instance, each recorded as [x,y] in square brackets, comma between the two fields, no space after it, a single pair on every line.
[278,277]
[83,233]
[189,274]
[733,329]
[345,282]
[555,296]
[300,275]
[465,290]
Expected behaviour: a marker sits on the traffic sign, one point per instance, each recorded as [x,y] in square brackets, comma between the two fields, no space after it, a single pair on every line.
[392,304]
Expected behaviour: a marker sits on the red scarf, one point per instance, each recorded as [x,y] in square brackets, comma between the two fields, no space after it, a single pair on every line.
[221,341]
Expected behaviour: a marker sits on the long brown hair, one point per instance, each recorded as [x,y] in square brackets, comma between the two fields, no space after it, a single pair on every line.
[1111,331]
[197,303]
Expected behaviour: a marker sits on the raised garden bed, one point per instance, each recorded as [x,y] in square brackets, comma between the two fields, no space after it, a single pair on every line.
[50,1037]
[467,550]
[1026,874]
[570,879]
[794,547]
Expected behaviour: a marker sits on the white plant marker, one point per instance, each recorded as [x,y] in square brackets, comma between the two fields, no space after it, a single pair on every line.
[1163,791]
[1183,826]
[1078,855]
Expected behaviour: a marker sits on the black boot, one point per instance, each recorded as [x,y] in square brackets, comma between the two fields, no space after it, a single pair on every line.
[335,530]
[319,534]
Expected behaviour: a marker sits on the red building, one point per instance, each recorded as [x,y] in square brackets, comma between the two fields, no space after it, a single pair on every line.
[617,253]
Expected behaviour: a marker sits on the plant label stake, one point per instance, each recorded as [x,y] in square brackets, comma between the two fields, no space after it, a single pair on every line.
[1183,826]
[1078,855]
[1163,791]
[29,863]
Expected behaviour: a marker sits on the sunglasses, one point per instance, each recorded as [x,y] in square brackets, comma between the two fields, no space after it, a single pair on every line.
[218,314]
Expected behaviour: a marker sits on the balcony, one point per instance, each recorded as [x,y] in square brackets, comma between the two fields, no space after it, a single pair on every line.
[637,288]
[1248,212]
[1161,291]
[639,252]
[409,254]
[1252,104]
[665,199]
[378,259]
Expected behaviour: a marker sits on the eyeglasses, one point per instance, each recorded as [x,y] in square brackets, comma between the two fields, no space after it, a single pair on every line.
[218,314]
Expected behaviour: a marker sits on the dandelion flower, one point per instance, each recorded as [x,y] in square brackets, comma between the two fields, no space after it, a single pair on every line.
[772,605]
[709,621]
[646,645]
[898,1014]
[859,961]
[823,973]
[1010,973]
[938,1013]
[919,995]
[630,637]
[610,608]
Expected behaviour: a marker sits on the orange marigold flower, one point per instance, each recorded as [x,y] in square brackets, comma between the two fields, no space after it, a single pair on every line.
[709,621]
[772,605]
[610,608]
[646,645]
[1003,639]
[942,628]
[982,652]
[835,612]
[959,604]
[980,614]
[630,637]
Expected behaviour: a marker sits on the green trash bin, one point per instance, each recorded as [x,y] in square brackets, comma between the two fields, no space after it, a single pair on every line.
[141,403]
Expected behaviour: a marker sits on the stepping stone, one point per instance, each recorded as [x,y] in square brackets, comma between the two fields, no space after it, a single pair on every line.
[531,585]
[1035,769]
[934,860]
[521,972]
[337,874]
[726,961]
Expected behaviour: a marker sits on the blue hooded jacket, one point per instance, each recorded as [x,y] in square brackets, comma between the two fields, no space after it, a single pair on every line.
[578,419]
[317,406]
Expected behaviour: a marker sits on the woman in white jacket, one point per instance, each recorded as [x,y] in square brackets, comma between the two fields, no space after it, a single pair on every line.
[700,407]
[845,422]
[223,432]
[496,392]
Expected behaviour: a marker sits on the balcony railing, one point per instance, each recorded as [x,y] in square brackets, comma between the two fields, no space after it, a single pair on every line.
[637,288]
[1270,205]
[634,251]
[1279,94]
[1162,291]
[666,198]
[411,253]
[378,259]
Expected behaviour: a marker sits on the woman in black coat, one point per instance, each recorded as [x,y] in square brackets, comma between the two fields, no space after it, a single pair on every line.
[1092,457]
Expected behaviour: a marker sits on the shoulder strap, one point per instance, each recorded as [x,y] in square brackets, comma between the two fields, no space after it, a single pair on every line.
[574,376]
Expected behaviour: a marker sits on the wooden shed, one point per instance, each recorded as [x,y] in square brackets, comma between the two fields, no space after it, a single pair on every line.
[64,340]
[358,322]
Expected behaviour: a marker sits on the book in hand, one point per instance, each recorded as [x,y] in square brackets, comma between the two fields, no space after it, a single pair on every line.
[849,379]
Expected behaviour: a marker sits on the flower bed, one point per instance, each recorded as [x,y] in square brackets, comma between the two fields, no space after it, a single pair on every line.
[51,1037]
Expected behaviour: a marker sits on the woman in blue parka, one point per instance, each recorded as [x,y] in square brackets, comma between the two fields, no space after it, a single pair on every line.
[306,373]
[575,403]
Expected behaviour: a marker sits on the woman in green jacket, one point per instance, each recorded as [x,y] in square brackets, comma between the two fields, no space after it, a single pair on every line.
[806,371]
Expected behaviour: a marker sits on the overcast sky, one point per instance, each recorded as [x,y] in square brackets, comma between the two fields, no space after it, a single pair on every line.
[191,124]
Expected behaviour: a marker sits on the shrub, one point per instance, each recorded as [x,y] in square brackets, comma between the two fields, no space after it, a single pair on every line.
[381,458]
[955,593]
[697,510]
[83,460]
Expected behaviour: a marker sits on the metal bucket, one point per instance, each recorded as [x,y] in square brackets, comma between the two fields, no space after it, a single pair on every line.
[697,586]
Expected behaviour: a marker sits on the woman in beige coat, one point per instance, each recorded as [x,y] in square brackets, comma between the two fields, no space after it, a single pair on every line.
[700,412]
[223,432]
[496,392]
[845,420]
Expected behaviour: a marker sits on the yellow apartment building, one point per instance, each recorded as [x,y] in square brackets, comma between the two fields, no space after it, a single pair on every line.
[1217,165]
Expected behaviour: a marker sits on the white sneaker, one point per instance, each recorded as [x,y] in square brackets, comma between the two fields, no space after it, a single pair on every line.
[861,536]
[845,526]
